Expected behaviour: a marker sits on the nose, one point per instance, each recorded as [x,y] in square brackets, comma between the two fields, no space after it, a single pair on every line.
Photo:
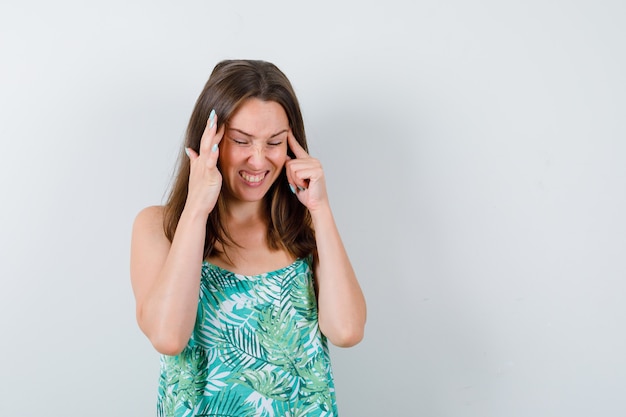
[257,155]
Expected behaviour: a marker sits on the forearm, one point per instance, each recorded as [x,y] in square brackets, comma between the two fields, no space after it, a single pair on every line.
[168,312]
[341,304]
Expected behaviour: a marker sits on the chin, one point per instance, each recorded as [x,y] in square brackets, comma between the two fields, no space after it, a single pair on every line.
[250,196]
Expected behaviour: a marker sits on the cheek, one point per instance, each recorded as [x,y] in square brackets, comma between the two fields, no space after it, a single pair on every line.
[230,155]
[278,156]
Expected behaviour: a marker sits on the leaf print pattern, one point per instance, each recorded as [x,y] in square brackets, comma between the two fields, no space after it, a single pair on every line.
[256,350]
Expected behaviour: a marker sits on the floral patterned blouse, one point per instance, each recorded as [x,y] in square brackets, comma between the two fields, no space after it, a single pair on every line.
[256,350]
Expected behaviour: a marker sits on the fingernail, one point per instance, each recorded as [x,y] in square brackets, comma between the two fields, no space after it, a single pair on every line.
[293,190]
[187,152]
[301,188]
[214,148]
[212,118]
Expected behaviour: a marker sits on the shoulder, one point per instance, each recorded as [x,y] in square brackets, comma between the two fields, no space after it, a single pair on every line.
[150,214]
[148,239]
[149,221]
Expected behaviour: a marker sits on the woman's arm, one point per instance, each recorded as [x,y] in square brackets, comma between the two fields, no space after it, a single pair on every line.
[166,277]
[341,303]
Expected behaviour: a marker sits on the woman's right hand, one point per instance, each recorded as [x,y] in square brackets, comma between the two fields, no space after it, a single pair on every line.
[205,180]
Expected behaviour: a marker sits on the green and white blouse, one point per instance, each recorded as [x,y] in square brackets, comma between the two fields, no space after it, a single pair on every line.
[256,350]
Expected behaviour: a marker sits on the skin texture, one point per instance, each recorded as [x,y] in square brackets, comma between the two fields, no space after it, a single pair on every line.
[250,154]
[255,145]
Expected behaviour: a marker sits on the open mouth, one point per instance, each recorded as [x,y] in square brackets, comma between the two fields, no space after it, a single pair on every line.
[253,178]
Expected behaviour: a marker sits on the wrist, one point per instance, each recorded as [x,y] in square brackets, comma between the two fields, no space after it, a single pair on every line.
[194,215]
[321,214]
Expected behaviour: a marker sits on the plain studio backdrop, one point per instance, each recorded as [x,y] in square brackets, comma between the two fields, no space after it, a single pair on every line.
[475,159]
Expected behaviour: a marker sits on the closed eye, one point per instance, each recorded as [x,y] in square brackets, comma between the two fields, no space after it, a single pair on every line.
[239,141]
[276,140]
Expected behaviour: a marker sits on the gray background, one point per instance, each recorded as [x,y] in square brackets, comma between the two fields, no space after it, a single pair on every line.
[475,158]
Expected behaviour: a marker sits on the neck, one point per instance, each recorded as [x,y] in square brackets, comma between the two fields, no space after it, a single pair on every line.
[238,212]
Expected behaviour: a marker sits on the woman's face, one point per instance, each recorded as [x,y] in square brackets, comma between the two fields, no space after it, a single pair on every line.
[254,149]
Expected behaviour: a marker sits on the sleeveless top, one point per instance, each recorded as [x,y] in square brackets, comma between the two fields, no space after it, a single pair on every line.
[256,350]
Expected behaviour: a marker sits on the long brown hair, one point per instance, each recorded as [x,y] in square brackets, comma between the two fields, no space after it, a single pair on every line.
[230,84]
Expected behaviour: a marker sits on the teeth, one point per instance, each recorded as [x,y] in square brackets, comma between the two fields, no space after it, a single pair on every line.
[252,178]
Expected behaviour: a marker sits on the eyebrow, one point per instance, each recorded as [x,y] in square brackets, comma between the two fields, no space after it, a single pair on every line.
[250,135]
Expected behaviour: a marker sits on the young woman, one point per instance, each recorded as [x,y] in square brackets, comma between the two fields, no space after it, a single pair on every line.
[241,277]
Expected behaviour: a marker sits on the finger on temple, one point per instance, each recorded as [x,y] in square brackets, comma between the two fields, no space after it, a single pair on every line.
[295,147]
[208,136]
[214,154]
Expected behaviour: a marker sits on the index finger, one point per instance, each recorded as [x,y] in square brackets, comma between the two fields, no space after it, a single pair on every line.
[210,136]
[295,147]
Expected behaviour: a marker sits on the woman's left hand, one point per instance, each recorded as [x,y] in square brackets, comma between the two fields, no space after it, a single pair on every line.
[305,176]
[340,301]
